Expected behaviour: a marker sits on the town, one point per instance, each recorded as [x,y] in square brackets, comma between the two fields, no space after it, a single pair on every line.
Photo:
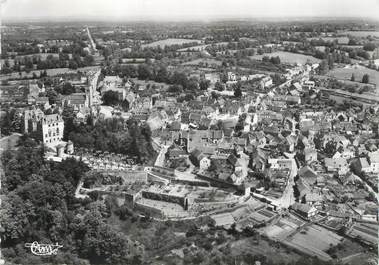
[186,142]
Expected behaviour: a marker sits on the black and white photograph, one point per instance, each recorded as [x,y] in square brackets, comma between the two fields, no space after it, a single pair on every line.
[189,132]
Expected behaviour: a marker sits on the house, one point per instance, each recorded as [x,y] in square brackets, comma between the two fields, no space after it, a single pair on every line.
[232,76]
[281,163]
[31,119]
[200,160]
[266,82]
[310,154]
[77,100]
[374,161]
[199,139]
[339,165]
[308,85]
[212,77]
[176,152]
[52,127]
[308,175]
[362,165]
[233,160]
[43,102]
[305,210]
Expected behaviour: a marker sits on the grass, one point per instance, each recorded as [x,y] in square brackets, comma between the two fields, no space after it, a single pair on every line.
[204,62]
[316,237]
[289,57]
[169,42]
[50,72]
[362,34]
[347,248]
[340,40]
[358,71]
[275,253]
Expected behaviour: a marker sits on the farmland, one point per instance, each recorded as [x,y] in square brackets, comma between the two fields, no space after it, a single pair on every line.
[358,71]
[367,232]
[314,241]
[169,42]
[277,253]
[288,57]
[362,34]
[340,40]
[50,72]
[204,62]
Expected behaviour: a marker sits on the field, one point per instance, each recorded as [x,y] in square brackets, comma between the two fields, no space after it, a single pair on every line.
[288,57]
[314,240]
[169,42]
[275,252]
[368,232]
[340,40]
[50,72]
[362,34]
[358,71]
[204,62]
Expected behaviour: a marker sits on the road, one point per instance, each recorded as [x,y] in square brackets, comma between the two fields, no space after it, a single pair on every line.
[93,45]
[288,197]
[367,186]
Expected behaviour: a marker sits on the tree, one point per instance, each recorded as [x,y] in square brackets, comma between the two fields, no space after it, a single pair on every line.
[219,86]
[330,148]
[193,84]
[275,60]
[162,75]
[144,72]
[352,77]
[365,79]
[370,46]
[73,64]
[110,98]
[88,60]
[238,92]
[175,89]
[52,95]
[67,89]
[296,192]
[204,84]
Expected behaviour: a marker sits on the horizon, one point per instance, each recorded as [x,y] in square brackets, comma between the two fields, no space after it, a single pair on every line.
[186,10]
[89,19]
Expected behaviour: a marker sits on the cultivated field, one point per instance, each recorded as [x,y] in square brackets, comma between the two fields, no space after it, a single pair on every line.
[204,62]
[340,40]
[314,240]
[367,232]
[275,253]
[362,34]
[289,57]
[358,71]
[169,42]
[50,72]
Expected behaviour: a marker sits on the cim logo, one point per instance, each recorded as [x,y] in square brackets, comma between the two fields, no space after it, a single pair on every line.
[43,249]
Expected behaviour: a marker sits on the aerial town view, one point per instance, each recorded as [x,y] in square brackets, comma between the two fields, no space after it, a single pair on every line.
[228,132]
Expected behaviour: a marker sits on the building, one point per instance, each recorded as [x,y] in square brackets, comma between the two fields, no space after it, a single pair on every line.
[115,83]
[310,154]
[47,128]
[305,210]
[51,127]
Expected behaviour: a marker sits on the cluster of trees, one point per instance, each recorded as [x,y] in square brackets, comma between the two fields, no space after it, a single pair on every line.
[272,59]
[111,98]
[113,135]
[158,73]
[10,121]
[40,206]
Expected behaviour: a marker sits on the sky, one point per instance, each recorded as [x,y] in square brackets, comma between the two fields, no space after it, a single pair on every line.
[186,9]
